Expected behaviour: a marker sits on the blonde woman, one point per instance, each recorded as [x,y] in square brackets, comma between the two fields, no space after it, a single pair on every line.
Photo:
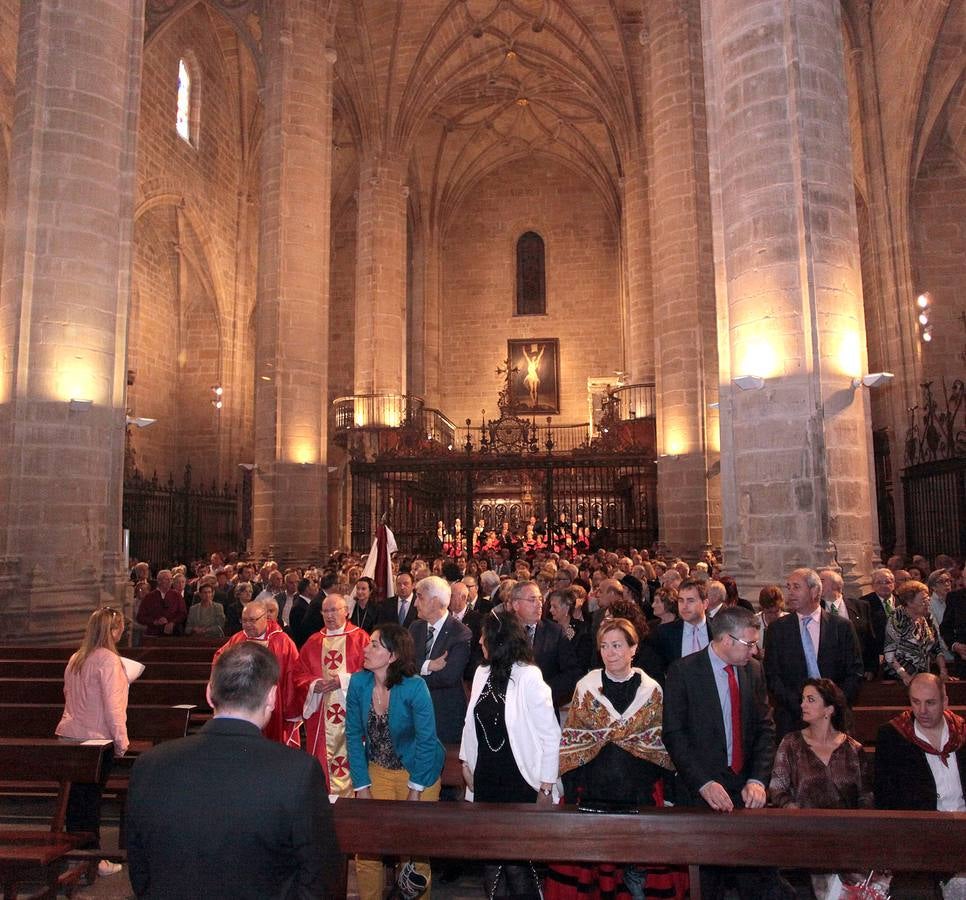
[95,708]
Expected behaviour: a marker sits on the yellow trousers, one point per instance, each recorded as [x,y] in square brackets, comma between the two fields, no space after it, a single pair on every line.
[389,784]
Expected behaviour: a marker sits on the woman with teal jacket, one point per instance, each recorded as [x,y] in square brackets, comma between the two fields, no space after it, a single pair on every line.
[390,730]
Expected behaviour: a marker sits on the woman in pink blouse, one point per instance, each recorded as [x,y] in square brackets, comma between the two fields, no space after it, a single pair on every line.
[95,693]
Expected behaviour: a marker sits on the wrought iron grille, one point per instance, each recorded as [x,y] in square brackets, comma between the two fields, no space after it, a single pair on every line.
[417,493]
[171,523]
[934,480]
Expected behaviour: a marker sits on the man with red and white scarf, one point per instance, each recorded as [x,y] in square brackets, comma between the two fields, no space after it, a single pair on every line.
[283,726]
[920,755]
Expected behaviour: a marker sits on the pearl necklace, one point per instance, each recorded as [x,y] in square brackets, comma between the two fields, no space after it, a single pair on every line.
[500,698]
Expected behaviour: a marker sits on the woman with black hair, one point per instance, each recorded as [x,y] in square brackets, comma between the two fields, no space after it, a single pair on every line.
[511,738]
[390,731]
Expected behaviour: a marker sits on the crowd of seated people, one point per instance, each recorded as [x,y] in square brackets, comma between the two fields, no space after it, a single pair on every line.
[622,653]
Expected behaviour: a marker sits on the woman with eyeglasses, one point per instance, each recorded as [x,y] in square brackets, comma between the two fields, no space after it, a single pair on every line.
[511,738]
[95,708]
[390,730]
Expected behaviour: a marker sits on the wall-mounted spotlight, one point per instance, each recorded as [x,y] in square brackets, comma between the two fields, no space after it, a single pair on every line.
[923,302]
[139,421]
[248,467]
[749,382]
[217,392]
[75,405]
[872,380]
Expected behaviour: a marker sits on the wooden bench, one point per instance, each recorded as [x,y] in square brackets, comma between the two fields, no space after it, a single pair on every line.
[831,840]
[27,853]
[156,670]
[892,693]
[144,723]
[143,692]
[167,652]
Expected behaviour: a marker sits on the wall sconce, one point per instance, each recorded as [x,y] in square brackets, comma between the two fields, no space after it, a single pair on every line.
[872,380]
[217,391]
[139,421]
[715,405]
[79,405]
[248,467]
[922,303]
[749,382]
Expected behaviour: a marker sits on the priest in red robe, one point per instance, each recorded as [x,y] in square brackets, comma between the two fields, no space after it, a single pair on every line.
[327,660]
[256,626]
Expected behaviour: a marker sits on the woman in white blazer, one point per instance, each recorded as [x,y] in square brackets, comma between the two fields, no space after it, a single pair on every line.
[511,737]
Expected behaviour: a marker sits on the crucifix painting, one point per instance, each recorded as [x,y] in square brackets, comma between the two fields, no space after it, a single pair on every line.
[534,376]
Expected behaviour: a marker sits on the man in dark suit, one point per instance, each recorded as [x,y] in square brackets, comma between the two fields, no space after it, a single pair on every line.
[442,655]
[809,643]
[459,609]
[857,611]
[882,605]
[953,629]
[690,633]
[920,753]
[719,732]
[401,608]
[552,652]
[226,813]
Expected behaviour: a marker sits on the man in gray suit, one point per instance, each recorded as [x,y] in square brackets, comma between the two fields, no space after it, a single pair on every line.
[442,652]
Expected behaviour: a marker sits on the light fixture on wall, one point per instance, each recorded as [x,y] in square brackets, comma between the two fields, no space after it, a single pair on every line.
[749,382]
[76,405]
[248,467]
[217,392]
[872,380]
[923,302]
[139,421]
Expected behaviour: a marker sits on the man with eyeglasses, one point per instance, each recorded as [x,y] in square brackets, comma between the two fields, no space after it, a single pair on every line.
[283,724]
[719,732]
[811,643]
[326,661]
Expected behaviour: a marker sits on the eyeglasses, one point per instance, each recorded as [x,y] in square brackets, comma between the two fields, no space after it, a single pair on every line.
[253,619]
[751,645]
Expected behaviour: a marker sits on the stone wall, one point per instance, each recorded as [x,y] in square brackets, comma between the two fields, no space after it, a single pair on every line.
[479,277]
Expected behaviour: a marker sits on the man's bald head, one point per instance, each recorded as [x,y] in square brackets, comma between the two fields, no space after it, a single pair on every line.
[927,697]
[254,618]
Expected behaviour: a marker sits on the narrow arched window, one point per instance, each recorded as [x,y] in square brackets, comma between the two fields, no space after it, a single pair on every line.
[531,275]
[183,120]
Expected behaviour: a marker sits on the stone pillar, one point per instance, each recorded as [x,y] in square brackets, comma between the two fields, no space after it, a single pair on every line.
[63,315]
[291,383]
[380,336]
[796,453]
[639,337]
[684,338]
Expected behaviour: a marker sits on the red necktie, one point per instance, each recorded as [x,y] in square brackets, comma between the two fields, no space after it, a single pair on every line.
[737,750]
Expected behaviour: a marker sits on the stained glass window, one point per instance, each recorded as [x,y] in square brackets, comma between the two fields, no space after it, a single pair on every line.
[183,121]
[531,275]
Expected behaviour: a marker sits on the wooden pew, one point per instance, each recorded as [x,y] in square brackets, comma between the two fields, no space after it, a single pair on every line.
[185,640]
[172,651]
[892,693]
[152,724]
[156,670]
[830,839]
[25,851]
[143,692]
[866,720]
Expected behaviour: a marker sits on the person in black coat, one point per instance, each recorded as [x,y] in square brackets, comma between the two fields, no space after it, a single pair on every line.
[882,605]
[227,813]
[858,613]
[400,608]
[552,652]
[786,666]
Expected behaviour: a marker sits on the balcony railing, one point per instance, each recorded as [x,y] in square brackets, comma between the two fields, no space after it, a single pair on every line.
[373,411]
[636,401]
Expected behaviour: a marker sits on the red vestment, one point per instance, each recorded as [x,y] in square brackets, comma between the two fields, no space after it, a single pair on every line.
[280,727]
[324,655]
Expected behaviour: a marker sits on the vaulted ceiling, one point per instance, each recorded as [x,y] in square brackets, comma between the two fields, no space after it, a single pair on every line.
[465,86]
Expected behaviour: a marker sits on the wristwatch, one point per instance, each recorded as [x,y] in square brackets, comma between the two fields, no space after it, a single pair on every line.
[547,792]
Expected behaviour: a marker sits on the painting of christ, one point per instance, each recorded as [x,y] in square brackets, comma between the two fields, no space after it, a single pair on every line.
[535,376]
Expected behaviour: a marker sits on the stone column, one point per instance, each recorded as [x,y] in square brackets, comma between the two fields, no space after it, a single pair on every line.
[796,453]
[684,338]
[291,383]
[639,337]
[380,337]
[63,314]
